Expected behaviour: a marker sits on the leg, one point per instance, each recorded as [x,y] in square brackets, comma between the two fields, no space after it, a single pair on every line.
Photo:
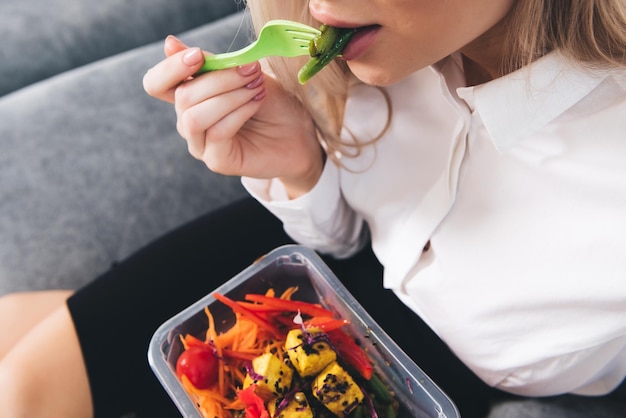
[20,312]
[91,354]
[117,314]
[44,375]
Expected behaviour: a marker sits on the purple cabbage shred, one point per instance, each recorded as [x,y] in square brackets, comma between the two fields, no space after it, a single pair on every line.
[254,375]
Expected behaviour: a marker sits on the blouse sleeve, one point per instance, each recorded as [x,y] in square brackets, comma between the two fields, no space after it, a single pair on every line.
[320,219]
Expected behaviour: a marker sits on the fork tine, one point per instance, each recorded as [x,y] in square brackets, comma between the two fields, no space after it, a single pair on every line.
[301,33]
[301,40]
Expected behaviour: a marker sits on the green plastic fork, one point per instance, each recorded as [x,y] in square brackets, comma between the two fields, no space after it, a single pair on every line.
[277,38]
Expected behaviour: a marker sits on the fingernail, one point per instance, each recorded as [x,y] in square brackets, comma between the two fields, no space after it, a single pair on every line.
[256,82]
[193,57]
[248,69]
[259,96]
[173,38]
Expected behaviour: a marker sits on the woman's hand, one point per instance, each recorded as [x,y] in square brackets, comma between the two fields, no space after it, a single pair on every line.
[238,121]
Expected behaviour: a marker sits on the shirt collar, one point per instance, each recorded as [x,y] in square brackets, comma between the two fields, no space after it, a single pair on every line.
[515,106]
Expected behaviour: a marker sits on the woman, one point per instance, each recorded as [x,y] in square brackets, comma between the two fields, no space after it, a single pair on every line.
[477,145]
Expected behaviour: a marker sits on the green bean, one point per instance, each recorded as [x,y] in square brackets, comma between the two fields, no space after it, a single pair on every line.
[324,41]
[323,49]
[379,389]
[359,412]
[390,411]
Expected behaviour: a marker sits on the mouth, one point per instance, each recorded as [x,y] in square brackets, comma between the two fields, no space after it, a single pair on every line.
[362,39]
[360,42]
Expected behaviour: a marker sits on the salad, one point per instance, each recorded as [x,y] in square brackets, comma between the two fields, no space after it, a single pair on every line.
[283,357]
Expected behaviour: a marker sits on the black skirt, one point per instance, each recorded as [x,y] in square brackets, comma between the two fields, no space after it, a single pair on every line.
[116,315]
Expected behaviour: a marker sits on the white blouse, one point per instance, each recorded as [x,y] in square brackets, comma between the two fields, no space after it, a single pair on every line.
[519,188]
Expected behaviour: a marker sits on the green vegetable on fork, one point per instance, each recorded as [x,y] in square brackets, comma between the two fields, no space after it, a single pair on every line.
[323,49]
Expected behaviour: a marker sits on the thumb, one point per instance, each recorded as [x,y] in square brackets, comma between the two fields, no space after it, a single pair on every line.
[173,45]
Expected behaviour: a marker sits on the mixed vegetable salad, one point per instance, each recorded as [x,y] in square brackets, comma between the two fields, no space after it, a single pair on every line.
[282,358]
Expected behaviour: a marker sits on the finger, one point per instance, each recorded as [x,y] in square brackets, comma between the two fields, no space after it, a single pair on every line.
[162,79]
[201,122]
[198,123]
[219,154]
[173,45]
[200,89]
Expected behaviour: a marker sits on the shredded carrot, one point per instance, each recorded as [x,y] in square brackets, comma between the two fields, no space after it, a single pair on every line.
[211,336]
[253,333]
[237,308]
[234,347]
[239,376]
[209,402]
[287,294]
[236,335]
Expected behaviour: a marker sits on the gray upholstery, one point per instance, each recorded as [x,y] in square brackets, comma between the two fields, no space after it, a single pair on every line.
[91,167]
[43,38]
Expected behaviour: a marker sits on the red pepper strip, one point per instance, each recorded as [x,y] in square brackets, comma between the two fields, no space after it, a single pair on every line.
[290,305]
[286,321]
[192,341]
[255,407]
[258,307]
[248,314]
[351,353]
[324,323]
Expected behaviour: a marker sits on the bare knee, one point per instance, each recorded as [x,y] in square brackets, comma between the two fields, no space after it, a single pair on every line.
[20,312]
[10,303]
[43,375]
[17,397]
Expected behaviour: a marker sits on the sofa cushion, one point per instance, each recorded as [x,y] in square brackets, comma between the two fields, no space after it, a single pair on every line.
[92,168]
[43,38]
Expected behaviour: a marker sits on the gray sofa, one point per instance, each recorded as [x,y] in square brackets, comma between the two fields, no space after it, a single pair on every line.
[91,167]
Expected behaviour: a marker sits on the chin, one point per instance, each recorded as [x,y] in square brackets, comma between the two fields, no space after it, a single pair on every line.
[373,75]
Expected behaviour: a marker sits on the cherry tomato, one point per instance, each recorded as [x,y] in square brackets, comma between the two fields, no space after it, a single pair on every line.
[200,365]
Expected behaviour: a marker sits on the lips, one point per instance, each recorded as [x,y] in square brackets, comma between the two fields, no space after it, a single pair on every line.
[360,42]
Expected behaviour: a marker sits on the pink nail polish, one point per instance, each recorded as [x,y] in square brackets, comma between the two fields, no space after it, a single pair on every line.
[256,82]
[259,96]
[248,69]
[173,38]
[193,57]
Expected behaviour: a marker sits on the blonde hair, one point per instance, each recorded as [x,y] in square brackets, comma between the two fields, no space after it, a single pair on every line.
[592,32]
[324,96]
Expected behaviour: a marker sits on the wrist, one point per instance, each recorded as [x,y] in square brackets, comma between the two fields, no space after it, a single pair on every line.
[304,183]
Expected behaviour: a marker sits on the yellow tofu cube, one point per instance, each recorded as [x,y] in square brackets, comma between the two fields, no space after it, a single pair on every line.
[308,359]
[271,375]
[298,407]
[336,390]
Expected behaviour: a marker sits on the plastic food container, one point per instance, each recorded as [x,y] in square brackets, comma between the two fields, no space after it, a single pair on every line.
[287,266]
